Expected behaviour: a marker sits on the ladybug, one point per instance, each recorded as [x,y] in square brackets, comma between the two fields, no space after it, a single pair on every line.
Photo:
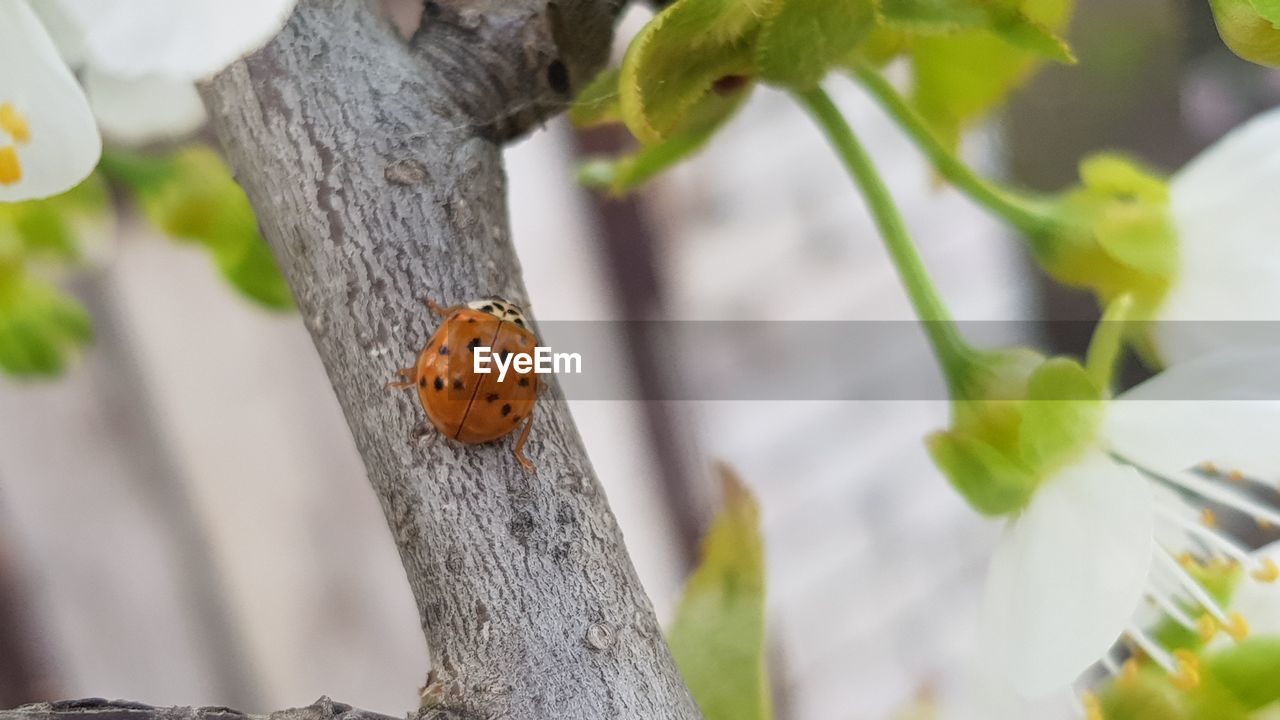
[473,407]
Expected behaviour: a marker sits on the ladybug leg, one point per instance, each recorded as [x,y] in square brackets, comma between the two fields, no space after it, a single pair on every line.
[519,451]
[410,376]
[443,312]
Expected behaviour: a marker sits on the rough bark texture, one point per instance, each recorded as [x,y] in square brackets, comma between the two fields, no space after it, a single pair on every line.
[100,709]
[375,168]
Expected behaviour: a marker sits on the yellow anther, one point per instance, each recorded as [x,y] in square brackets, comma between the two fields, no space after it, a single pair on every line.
[1187,676]
[1235,476]
[1237,627]
[1207,626]
[10,165]
[1208,518]
[1187,560]
[1129,672]
[1268,572]
[1092,706]
[1208,468]
[1263,523]
[12,122]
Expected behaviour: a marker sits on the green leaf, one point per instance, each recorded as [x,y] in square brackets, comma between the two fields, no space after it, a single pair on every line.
[598,103]
[992,483]
[932,16]
[801,40]
[39,325]
[1062,415]
[718,637]
[679,56]
[961,77]
[190,195]
[624,174]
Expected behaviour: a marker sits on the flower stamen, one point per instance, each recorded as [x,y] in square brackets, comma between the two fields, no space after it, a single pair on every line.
[1263,570]
[1188,675]
[10,165]
[1152,649]
[1189,584]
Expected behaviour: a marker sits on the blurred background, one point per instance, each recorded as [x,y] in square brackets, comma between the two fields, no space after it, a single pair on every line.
[184,518]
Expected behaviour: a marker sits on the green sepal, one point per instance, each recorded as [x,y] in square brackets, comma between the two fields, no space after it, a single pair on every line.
[190,195]
[718,637]
[1117,237]
[678,57]
[599,102]
[1249,670]
[1251,28]
[1268,10]
[801,40]
[622,175]
[990,481]
[1061,416]
[1151,695]
[40,326]
[55,228]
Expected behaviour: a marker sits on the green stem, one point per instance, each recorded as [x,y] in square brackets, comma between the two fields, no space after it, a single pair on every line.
[954,354]
[1020,211]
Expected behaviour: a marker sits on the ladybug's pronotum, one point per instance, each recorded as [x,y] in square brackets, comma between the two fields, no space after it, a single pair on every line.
[473,407]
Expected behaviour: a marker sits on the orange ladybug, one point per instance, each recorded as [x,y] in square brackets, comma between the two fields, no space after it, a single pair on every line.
[463,404]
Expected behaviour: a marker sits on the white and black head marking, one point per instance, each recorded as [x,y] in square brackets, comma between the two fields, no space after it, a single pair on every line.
[501,309]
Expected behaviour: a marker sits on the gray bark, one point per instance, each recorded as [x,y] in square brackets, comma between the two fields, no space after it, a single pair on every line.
[375,168]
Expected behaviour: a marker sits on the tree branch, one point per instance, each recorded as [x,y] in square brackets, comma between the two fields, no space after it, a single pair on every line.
[100,709]
[375,169]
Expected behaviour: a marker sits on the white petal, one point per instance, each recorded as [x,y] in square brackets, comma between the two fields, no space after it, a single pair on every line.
[191,39]
[1223,408]
[1068,574]
[64,145]
[143,110]
[66,34]
[1226,216]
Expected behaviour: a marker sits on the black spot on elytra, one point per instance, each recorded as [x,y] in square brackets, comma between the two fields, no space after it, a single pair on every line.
[439,383]
[491,397]
[504,355]
[558,77]
[473,345]
[471,320]
[515,419]
[422,382]
[506,409]
[444,349]
[524,382]
[457,384]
